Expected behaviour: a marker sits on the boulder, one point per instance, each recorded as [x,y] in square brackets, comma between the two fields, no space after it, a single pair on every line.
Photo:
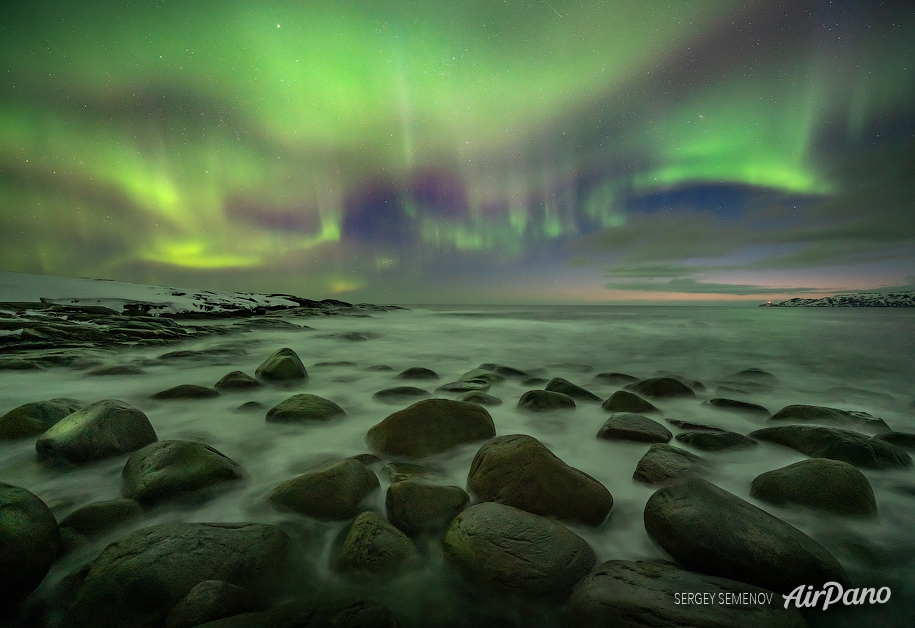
[504,371]
[29,542]
[464,385]
[332,491]
[661,388]
[629,426]
[372,545]
[540,400]
[284,366]
[754,375]
[236,380]
[517,551]
[34,418]
[738,406]
[829,485]
[831,416]
[97,518]
[564,386]
[906,440]
[100,430]
[710,530]
[400,471]
[136,581]
[208,601]
[305,613]
[414,506]
[721,440]
[623,401]
[664,463]
[518,470]
[488,376]
[429,427]
[121,369]
[417,372]
[170,469]
[477,396]
[613,379]
[399,394]
[837,444]
[186,391]
[687,425]
[303,407]
[654,594]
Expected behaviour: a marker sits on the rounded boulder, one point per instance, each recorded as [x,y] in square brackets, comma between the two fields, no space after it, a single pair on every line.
[830,485]
[29,542]
[332,491]
[303,407]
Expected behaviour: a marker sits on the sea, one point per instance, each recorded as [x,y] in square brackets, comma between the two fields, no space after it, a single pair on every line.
[811,351]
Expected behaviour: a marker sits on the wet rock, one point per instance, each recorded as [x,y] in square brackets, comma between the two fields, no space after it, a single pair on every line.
[504,371]
[517,551]
[116,370]
[283,367]
[693,384]
[623,401]
[186,391]
[29,542]
[644,594]
[100,430]
[663,463]
[236,380]
[488,376]
[97,518]
[399,394]
[660,388]
[534,381]
[541,400]
[400,471]
[829,485]
[756,375]
[36,417]
[379,368]
[571,366]
[906,440]
[738,406]
[836,444]
[831,416]
[417,372]
[687,425]
[414,506]
[208,601]
[476,396]
[174,468]
[306,614]
[429,427]
[338,363]
[251,406]
[564,386]
[461,386]
[518,470]
[136,581]
[331,491]
[372,546]
[715,532]
[613,379]
[304,407]
[635,427]
[715,441]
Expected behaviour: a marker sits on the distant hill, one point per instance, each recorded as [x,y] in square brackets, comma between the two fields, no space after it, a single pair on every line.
[862,299]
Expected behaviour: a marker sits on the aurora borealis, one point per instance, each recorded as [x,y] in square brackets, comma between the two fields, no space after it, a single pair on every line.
[462,152]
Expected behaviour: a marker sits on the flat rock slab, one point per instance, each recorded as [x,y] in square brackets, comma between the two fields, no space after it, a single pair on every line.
[719,440]
[35,418]
[829,485]
[520,471]
[29,541]
[660,388]
[136,581]
[302,408]
[332,491]
[429,427]
[634,427]
[710,530]
[653,594]
[517,551]
[664,463]
[837,444]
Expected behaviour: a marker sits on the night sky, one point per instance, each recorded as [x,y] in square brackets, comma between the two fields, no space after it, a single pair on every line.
[476,151]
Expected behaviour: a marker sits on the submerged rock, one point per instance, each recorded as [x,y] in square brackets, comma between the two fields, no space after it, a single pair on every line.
[236,380]
[518,470]
[372,545]
[97,518]
[829,485]
[664,463]
[539,400]
[29,542]
[719,440]
[414,506]
[635,427]
[661,387]
[480,397]
[504,371]
[564,386]
[186,391]
[623,401]
[303,407]
[819,441]
[613,379]
[306,613]
[208,601]
[906,440]
[738,406]
[399,394]
[831,416]
[331,491]
[417,372]
[284,366]
[35,418]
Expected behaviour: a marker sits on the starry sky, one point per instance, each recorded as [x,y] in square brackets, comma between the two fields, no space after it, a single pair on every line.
[472,151]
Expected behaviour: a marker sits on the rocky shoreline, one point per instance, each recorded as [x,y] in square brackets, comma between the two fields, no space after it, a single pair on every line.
[863,299]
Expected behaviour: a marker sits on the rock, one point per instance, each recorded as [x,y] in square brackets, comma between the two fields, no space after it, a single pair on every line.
[174,468]
[372,545]
[623,401]
[429,427]
[831,416]
[829,485]
[754,375]
[504,371]
[664,463]
[517,551]
[100,430]
[694,385]
[97,518]
[116,370]
[837,444]
[284,366]
[686,425]
[36,417]
[541,400]
[564,386]
[571,366]
[738,406]
[250,406]
[661,388]
[629,426]
[332,491]
[208,601]
[488,376]
[417,372]
[29,542]
[304,407]
[399,394]
[186,391]
[379,368]
[534,381]
[236,380]
[713,531]
[400,471]
[461,386]
[136,581]
[652,594]
[613,379]
[518,470]
[305,614]
[848,393]
[414,506]
[906,440]
[715,441]
[335,364]
[476,396]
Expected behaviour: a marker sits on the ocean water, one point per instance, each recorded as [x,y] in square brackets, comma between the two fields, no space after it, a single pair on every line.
[810,351]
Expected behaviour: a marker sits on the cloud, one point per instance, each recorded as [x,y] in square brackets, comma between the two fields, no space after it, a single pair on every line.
[691,286]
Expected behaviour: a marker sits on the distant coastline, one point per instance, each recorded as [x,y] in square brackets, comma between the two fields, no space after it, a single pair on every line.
[862,299]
